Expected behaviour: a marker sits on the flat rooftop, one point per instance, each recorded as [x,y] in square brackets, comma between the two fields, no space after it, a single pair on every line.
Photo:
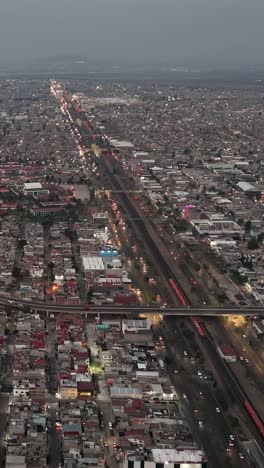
[177,456]
[32,186]
[93,263]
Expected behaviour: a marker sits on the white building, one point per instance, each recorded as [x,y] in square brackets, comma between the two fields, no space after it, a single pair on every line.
[34,188]
[169,458]
[93,264]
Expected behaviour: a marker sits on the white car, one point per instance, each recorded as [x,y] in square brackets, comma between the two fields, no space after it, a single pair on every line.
[218,410]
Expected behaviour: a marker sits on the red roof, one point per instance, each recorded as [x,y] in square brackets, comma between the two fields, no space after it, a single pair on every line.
[88,386]
[37,335]
[37,344]
[65,376]
[138,404]
[227,350]
[81,369]
[135,432]
[135,412]
[39,362]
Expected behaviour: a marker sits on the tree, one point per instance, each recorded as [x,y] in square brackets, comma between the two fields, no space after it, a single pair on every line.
[181,225]
[248,225]
[69,233]
[253,243]
[222,298]
[261,237]
[197,267]
[238,278]
[242,259]
[167,360]
[89,295]
[16,272]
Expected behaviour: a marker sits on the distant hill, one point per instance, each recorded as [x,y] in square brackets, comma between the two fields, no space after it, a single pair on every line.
[77,66]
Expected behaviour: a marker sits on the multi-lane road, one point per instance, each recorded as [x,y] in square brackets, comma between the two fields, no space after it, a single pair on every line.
[172,279]
[198,395]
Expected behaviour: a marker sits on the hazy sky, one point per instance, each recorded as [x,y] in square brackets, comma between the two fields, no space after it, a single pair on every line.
[156,31]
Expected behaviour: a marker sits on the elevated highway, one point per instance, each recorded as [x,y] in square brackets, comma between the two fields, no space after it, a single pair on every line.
[206,311]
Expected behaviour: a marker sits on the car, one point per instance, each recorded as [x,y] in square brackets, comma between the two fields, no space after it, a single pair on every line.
[218,410]
[87,308]
[241,456]
[195,410]
[185,353]
[193,282]
[200,423]
[231,437]
[184,396]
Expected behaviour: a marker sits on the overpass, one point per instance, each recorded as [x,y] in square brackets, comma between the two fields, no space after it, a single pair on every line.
[206,311]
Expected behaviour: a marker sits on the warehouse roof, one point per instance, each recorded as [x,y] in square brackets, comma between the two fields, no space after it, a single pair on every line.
[93,263]
[177,456]
[246,187]
[33,186]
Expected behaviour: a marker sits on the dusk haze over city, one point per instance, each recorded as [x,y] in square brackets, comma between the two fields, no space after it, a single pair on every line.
[131,234]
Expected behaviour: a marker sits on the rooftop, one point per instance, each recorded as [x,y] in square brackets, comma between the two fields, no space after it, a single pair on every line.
[32,186]
[93,263]
[177,456]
